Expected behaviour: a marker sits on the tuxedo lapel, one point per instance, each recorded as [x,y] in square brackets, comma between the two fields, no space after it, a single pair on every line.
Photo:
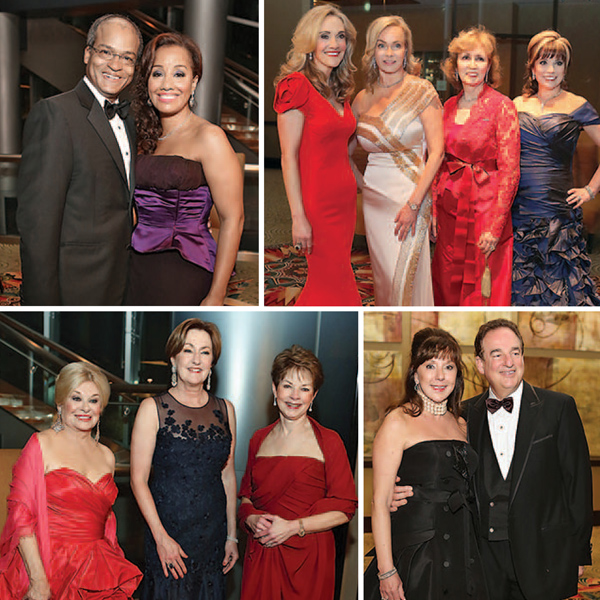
[100,123]
[477,422]
[530,407]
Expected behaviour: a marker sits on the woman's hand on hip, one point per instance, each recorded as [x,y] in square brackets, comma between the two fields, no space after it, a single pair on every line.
[231,555]
[406,222]
[487,243]
[171,557]
[391,588]
[302,234]
[578,196]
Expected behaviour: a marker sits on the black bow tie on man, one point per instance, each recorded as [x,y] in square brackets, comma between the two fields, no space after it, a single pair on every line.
[493,404]
[122,108]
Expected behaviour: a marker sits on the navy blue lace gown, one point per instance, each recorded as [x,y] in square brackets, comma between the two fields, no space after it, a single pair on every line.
[192,447]
[434,536]
[550,263]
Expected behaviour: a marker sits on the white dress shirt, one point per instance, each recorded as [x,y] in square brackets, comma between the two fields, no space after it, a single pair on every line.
[118,127]
[503,430]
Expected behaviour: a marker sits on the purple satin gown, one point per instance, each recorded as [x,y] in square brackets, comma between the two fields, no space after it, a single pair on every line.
[174,253]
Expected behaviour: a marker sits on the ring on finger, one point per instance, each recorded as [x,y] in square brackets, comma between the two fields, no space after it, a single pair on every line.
[170,565]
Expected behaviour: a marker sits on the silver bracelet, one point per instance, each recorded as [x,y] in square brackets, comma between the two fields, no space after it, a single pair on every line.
[387,574]
[588,189]
[230,538]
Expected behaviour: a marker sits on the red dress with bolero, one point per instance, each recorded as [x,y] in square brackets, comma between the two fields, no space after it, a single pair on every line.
[474,191]
[293,487]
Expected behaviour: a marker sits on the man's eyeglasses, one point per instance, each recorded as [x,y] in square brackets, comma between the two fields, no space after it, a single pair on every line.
[106,55]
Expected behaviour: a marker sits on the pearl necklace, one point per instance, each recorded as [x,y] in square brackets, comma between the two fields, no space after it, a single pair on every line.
[543,104]
[392,84]
[164,137]
[435,408]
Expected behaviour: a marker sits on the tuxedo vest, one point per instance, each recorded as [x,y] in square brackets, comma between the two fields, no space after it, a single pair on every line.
[495,492]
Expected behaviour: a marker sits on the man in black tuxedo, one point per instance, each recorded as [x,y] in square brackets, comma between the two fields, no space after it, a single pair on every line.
[76,179]
[533,483]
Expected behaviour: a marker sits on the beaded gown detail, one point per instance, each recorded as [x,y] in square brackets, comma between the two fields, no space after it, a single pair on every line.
[192,447]
[551,264]
[396,145]
[328,192]
[474,190]
[174,252]
[434,536]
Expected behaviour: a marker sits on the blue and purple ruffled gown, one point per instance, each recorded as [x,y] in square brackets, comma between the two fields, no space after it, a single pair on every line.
[550,262]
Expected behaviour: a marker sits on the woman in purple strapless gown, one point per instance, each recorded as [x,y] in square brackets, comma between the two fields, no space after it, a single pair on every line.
[184,165]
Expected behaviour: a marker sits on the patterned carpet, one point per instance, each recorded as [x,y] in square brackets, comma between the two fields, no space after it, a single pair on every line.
[242,289]
[285,274]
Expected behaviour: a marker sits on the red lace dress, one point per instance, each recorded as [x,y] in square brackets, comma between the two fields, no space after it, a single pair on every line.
[328,192]
[75,528]
[474,192]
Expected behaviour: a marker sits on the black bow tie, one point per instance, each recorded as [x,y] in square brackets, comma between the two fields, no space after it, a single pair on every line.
[493,404]
[122,109]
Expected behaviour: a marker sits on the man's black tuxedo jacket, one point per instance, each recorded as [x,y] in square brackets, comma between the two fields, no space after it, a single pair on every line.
[550,511]
[74,203]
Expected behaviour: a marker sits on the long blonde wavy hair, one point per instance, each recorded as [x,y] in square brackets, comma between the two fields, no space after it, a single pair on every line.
[412,65]
[341,81]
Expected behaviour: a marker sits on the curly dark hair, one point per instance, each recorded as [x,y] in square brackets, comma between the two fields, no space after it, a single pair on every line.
[429,343]
[148,123]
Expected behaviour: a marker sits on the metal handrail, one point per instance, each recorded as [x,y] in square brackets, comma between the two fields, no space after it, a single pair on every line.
[35,342]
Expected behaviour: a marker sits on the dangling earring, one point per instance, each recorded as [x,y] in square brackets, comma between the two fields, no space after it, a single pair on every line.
[149,102]
[192,100]
[532,76]
[208,380]
[97,436]
[486,76]
[173,376]
[274,400]
[58,424]
[416,387]
[404,65]
[310,407]
[310,56]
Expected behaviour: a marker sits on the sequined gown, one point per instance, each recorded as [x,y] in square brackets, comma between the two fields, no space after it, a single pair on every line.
[192,447]
[174,253]
[434,536]
[328,192]
[551,264]
[474,191]
[396,145]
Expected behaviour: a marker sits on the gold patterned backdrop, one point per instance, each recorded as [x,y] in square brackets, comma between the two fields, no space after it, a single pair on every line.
[562,352]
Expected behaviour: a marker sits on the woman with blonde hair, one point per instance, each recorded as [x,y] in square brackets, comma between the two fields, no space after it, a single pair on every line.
[315,124]
[477,181]
[551,266]
[60,536]
[400,126]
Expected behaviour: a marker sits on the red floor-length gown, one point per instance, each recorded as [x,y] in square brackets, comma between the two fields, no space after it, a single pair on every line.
[75,528]
[294,487]
[474,192]
[328,192]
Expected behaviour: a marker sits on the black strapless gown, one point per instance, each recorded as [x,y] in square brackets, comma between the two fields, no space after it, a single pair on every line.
[192,447]
[434,537]
[550,263]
